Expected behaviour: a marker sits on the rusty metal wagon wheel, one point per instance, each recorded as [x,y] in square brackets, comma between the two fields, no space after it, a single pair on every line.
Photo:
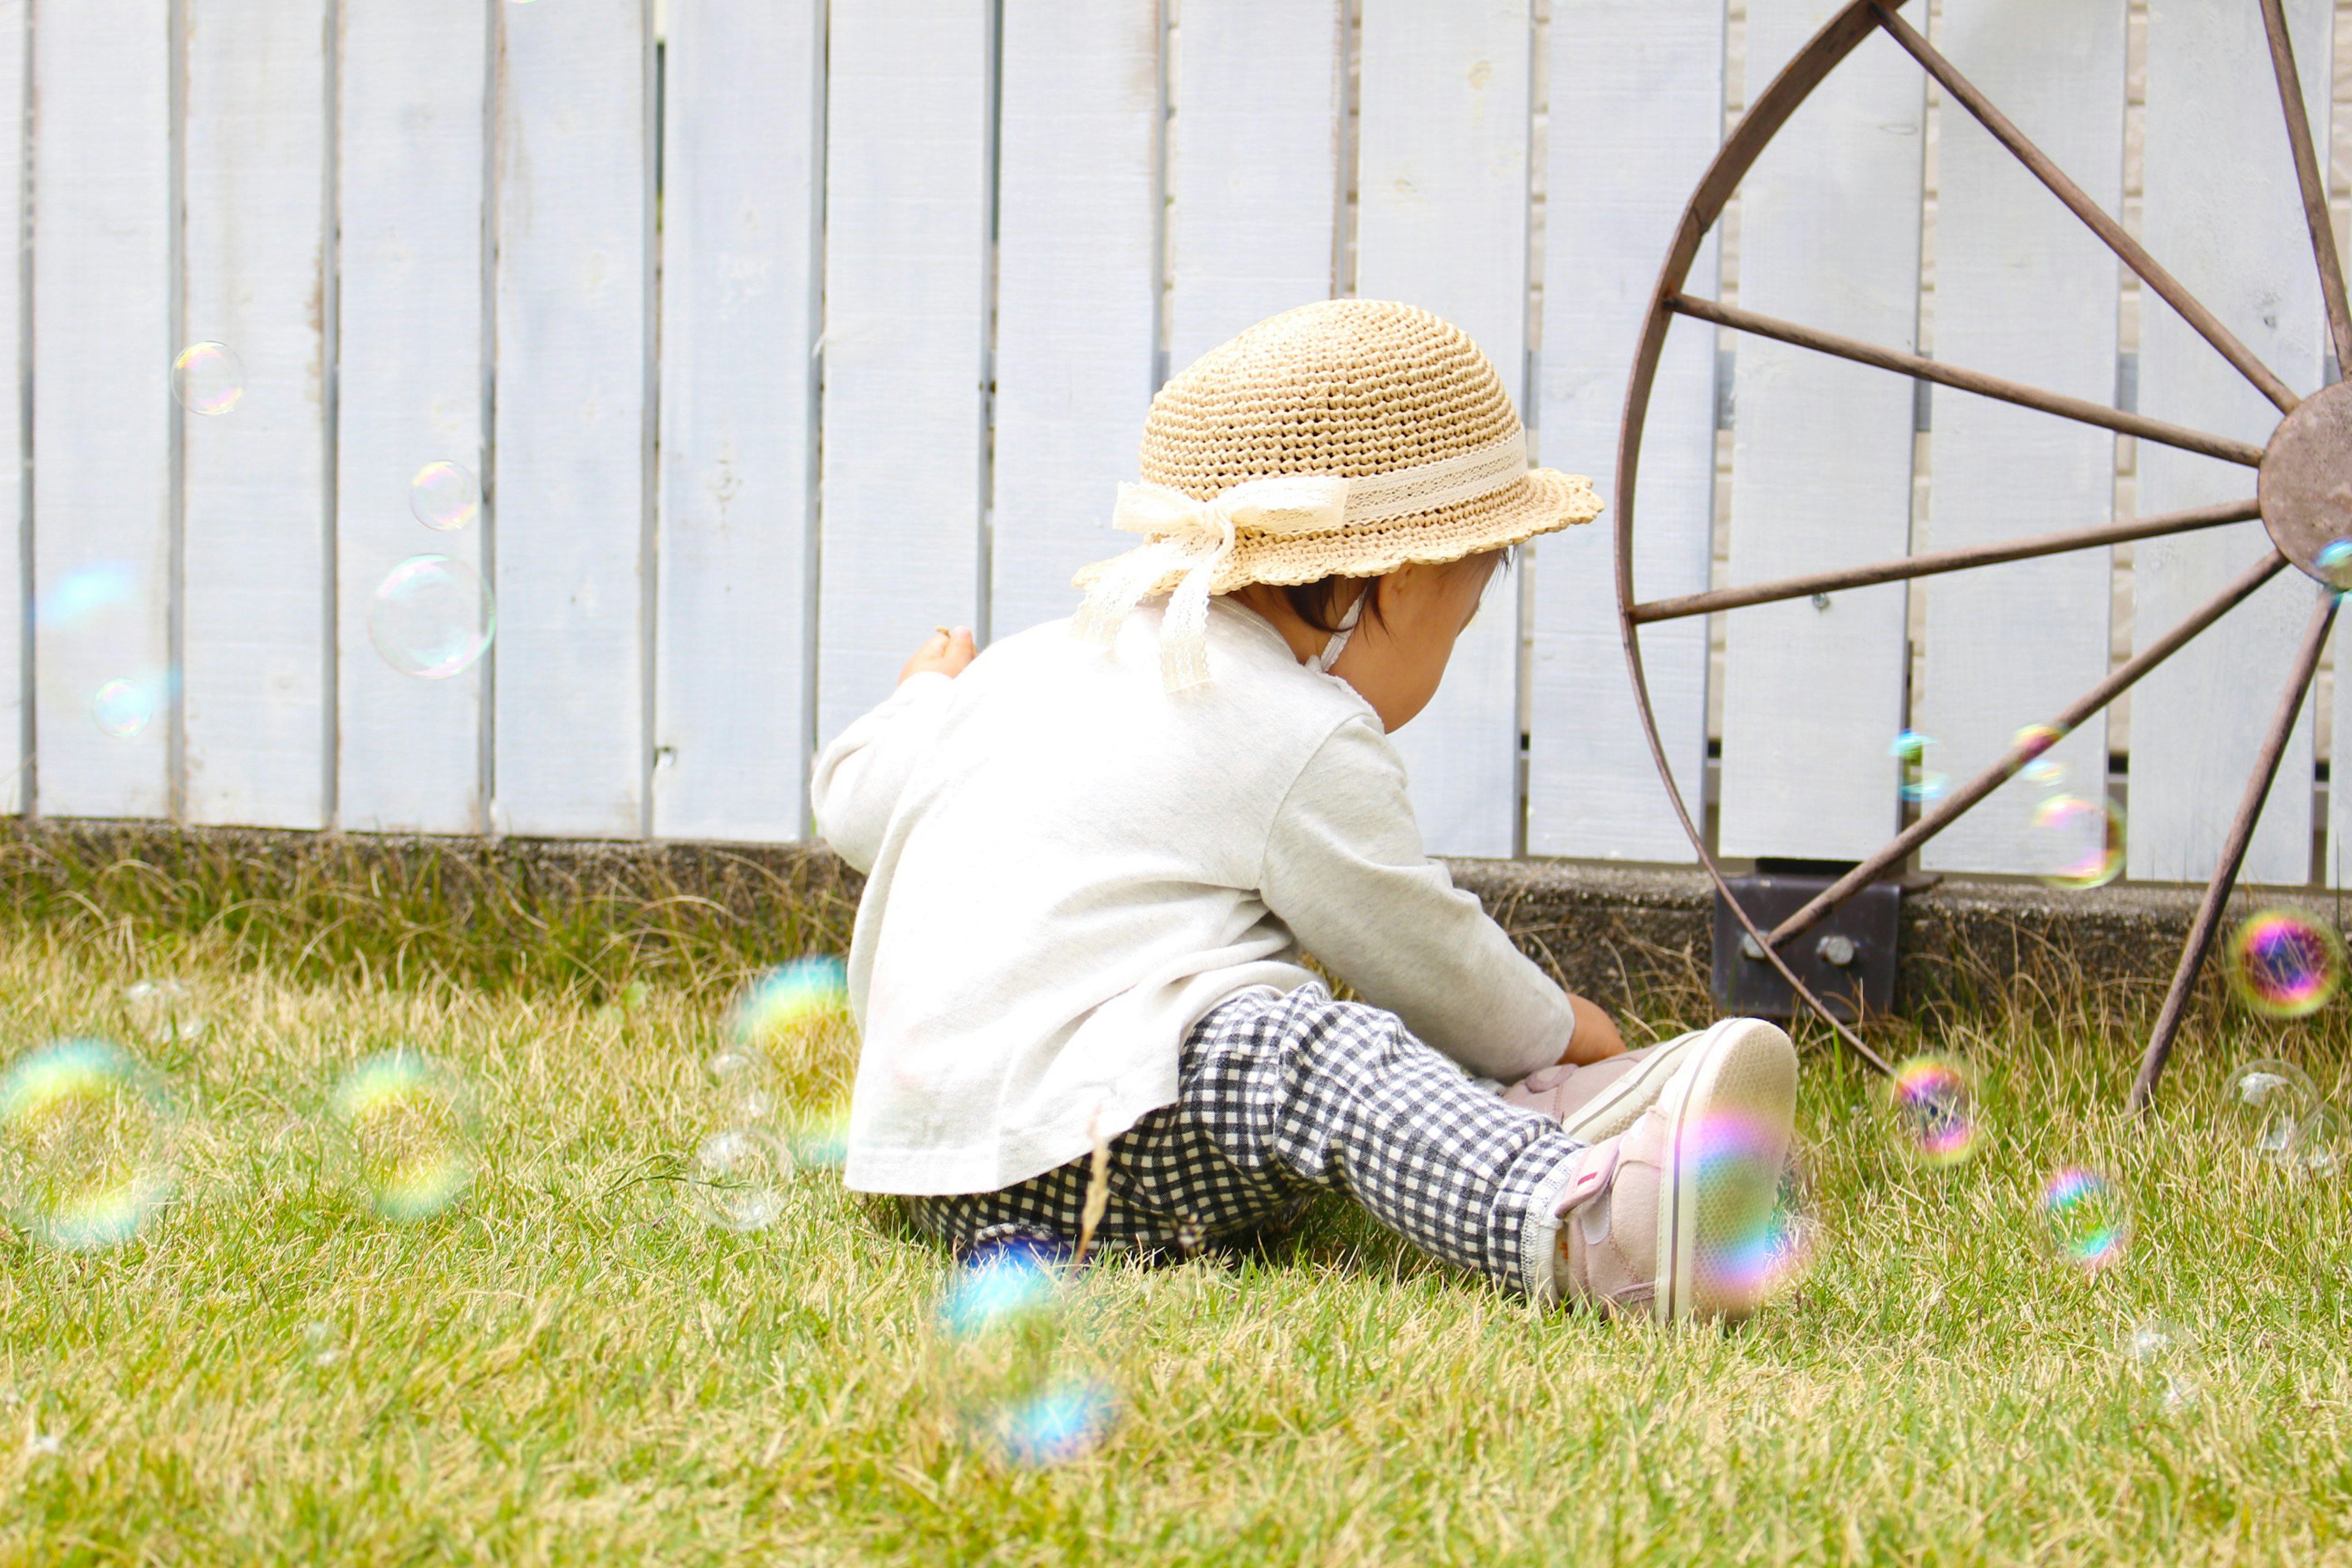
[2307,460]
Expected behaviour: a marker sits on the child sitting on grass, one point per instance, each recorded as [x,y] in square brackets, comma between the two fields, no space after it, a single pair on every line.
[1096,852]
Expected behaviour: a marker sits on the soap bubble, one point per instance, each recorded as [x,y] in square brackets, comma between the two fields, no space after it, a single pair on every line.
[123,709]
[1021,1385]
[1762,1196]
[2086,1219]
[793,996]
[2039,767]
[821,1140]
[745,1085]
[2322,1144]
[321,1346]
[736,1179]
[162,1010]
[2158,1354]
[2285,964]
[432,617]
[2335,563]
[207,378]
[1917,781]
[410,1136]
[445,496]
[2078,843]
[1934,1107]
[83,592]
[88,1138]
[2265,1104]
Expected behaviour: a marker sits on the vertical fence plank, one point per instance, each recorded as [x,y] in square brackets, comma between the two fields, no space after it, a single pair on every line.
[1253,165]
[254,522]
[573,431]
[102,424]
[1626,147]
[2222,212]
[905,333]
[15,794]
[2022,290]
[1077,289]
[740,298]
[410,390]
[1443,172]
[1821,455]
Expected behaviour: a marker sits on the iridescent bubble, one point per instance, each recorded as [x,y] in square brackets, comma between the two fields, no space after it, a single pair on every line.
[821,1140]
[432,617]
[736,1179]
[162,1010]
[1934,1106]
[2335,563]
[207,378]
[2078,843]
[2323,1144]
[795,996]
[2285,964]
[409,1133]
[87,1139]
[2039,768]
[2086,1220]
[1767,1232]
[2265,1103]
[1917,781]
[123,709]
[445,496]
[84,592]
[1022,1387]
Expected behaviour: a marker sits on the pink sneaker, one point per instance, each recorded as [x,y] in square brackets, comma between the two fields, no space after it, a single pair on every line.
[1605,1099]
[1675,1213]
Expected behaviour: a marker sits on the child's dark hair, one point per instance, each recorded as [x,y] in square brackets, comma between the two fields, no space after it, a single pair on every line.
[1322,605]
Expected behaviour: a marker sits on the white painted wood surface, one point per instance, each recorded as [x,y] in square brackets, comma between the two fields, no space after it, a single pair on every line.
[906,332]
[1821,452]
[412,385]
[741,295]
[2223,213]
[1254,174]
[1077,290]
[14,779]
[573,431]
[102,421]
[1626,146]
[1443,173]
[2024,290]
[254,514]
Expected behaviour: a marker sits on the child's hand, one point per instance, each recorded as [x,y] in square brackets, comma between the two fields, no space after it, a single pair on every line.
[1596,1038]
[948,652]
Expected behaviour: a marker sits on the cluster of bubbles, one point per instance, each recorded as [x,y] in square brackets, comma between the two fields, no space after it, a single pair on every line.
[2077,838]
[1013,1364]
[1914,780]
[2285,964]
[89,1134]
[737,1176]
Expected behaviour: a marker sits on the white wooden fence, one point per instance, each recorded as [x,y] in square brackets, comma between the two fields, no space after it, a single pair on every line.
[791,332]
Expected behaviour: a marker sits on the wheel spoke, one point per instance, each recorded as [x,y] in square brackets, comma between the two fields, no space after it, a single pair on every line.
[2164,283]
[2307,175]
[2080,409]
[2234,856]
[1928,563]
[1948,809]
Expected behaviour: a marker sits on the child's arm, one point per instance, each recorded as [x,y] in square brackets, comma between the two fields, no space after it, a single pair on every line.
[1345,871]
[859,776]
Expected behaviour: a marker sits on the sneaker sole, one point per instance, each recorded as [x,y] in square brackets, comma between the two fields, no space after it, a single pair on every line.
[1621,1105]
[1729,1112]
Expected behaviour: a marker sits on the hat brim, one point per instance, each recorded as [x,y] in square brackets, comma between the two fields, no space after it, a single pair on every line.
[1544,501]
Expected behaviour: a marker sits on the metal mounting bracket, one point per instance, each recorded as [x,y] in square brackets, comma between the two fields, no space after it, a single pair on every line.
[1847,958]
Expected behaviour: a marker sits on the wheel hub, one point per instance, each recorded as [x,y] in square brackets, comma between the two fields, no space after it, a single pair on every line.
[2307,486]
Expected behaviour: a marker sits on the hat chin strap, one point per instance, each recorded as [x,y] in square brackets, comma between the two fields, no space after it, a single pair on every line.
[1322,662]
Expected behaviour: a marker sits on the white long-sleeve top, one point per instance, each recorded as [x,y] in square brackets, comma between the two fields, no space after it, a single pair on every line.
[1068,865]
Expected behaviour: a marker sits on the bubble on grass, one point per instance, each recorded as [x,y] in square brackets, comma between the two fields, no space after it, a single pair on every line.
[2078,843]
[2159,1355]
[2283,964]
[432,617]
[1772,1232]
[2265,1104]
[45,1444]
[744,1084]
[821,1140]
[123,708]
[1934,1106]
[2039,768]
[2323,1144]
[1918,781]
[87,1139]
[321,1345]
[2086,1220]
[444,497]
[737,1178]
[1022,1389]
[792,997]
[162,1010]
[208,378]
[409,1133]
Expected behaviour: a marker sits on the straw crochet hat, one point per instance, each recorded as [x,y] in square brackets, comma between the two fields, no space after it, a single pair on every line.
[1343,438]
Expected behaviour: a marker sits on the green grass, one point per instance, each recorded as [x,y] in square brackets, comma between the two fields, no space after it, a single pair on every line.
[565,1366]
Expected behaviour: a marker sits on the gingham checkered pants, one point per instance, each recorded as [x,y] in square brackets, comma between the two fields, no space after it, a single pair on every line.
[1278,1096]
